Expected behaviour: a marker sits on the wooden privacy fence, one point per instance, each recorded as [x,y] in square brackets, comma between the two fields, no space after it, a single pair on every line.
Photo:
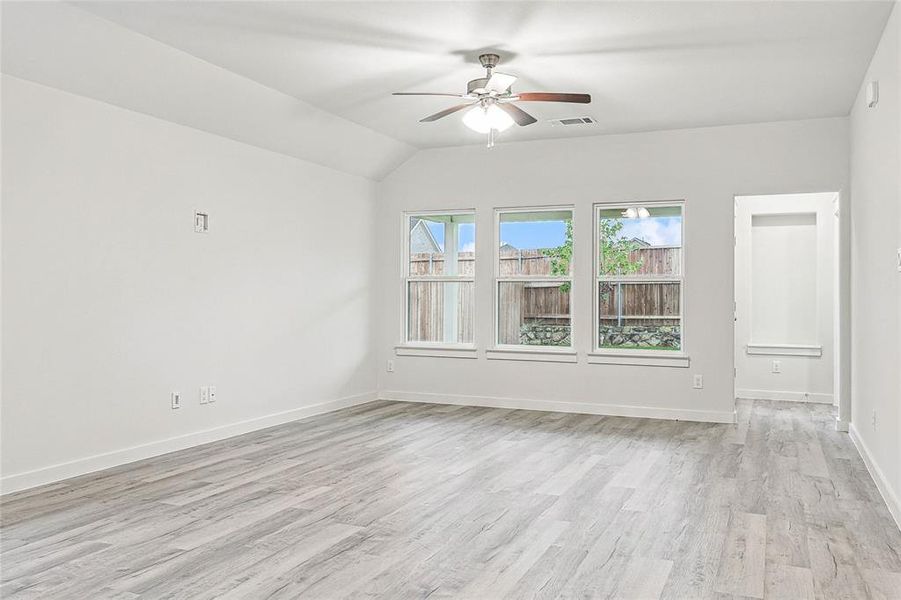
[426,311]
[640,303]
[529,302]
[425,263]
[659,260]
[653,303]
[644,303]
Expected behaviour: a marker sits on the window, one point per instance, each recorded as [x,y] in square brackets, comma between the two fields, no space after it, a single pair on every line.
[534,278]
[439,277]
[638,294]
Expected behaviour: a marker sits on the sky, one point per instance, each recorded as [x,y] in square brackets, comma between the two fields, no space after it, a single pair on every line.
[533,234]
[466,235]
[657,231]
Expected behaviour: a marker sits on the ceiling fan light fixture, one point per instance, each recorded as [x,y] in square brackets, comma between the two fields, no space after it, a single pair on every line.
[491,103]
[483,119]
[636,212]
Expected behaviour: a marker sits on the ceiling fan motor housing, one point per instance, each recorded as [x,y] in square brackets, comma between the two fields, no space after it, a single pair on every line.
[489,61]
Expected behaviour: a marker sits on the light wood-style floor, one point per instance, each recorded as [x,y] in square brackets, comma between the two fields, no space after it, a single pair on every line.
[399,500]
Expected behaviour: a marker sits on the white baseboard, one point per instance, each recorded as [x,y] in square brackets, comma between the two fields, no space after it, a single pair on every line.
[613,410]
[29,479]
[888,494]
[785,396]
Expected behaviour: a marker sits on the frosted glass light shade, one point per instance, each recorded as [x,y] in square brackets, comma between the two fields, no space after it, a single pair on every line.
[484,119]
[636,213]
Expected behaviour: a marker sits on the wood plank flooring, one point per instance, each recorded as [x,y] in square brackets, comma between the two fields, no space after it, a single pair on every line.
[398,500]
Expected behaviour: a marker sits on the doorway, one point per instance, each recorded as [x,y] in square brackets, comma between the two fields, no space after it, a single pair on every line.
[788,326]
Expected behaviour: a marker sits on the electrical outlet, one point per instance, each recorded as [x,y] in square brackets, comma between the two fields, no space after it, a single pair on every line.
[175,400]
[390,366]
[204,394]
[211,394]
[698,382]
[777,366]
[899,260]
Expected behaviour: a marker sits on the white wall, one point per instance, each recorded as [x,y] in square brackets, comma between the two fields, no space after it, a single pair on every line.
[706,167]
[110,300]
[784,294]
[876,281]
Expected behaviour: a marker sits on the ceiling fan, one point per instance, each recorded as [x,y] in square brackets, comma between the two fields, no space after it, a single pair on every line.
[490,101]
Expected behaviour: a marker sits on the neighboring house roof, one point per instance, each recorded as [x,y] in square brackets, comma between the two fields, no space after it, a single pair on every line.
[508,249]
[640,242]
[421,239]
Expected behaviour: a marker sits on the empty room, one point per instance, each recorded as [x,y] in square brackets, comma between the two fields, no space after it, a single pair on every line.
[433,299]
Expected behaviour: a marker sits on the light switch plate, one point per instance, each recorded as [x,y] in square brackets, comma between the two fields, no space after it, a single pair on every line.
[872,94]
[899,260]
[201,222]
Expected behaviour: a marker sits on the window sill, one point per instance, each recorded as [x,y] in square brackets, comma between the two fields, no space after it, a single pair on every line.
[536,353]
[785,350]
[641,359]
[437,351]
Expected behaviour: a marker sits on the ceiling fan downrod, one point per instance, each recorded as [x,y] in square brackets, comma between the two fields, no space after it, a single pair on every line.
[489,61]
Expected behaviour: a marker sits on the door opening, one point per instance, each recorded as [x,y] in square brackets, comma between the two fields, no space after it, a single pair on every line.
[788,325]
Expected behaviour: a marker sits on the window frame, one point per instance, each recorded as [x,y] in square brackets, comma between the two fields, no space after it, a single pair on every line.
[449,349]
[679,356]
[515,351]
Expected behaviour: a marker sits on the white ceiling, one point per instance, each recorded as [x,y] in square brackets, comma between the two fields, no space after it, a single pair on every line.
[61,46]
[647,65]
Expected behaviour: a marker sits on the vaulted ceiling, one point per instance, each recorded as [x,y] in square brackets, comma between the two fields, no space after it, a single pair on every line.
[647,65]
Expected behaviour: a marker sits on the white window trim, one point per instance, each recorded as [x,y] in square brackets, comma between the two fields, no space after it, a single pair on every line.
[636,356]
[520,351]
[533,353]
[644,358]
[434,349]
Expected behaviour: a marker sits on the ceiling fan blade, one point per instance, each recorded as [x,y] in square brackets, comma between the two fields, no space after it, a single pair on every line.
[445,112]
[499,82]
[426,94]
[521,117]
[553,97]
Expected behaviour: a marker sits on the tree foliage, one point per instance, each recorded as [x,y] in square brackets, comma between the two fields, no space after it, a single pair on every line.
[615,252]
[561,256]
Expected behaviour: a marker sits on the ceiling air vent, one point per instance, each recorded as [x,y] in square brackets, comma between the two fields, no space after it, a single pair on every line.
[574,121]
